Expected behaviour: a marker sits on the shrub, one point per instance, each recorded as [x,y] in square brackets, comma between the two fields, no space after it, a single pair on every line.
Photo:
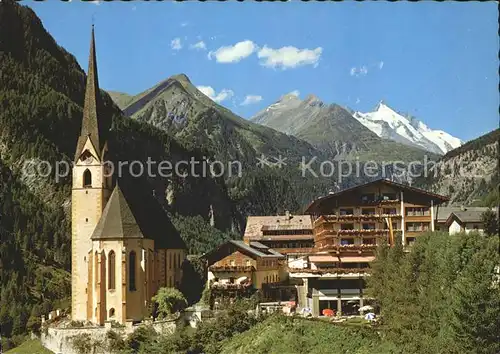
[115,342]
[143,335]
[169,301]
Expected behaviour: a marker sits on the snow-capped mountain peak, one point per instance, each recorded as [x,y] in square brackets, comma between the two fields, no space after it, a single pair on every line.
[389,124]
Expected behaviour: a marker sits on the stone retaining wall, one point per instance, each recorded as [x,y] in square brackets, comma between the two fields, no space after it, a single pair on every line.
[60,339]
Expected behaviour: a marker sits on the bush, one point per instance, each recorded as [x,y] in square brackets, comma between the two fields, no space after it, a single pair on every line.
[142,336]
[115,342]
[169,301]
[82,343]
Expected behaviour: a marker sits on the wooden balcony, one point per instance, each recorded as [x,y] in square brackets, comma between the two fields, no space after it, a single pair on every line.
[357,232]
[342,248]
[331,271]
[296,250]
[231,268]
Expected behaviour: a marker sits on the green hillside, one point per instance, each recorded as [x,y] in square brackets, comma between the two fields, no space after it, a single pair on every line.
[297,335]
[32,346]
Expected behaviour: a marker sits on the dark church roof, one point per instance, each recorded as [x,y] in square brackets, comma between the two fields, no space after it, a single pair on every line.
[117,220]
[131,212]
[90,123]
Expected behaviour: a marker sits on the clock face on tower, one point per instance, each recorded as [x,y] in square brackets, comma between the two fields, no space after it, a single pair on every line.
[87,158]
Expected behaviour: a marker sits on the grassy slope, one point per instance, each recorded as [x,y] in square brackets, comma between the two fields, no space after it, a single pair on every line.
[305,336]
[32,346]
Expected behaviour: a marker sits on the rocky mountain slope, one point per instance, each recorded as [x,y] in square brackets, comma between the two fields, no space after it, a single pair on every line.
[178,107]
[388,124]
[468,174]
[120,98]
[333,129]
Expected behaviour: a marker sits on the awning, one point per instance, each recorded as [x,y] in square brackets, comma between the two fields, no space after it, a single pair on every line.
[323,259]
[357,259]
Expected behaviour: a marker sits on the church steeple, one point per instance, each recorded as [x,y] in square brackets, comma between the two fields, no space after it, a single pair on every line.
[90,123]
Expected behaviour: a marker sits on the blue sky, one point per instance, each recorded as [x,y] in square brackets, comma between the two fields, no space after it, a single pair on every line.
[437,61]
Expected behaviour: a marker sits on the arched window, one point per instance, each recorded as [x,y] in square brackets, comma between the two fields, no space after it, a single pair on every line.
[131,271]
[111,270]
[87,179]
[111,312]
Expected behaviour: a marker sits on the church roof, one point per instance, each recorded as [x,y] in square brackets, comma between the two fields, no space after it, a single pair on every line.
[117,220]
[90,124]
[133,213]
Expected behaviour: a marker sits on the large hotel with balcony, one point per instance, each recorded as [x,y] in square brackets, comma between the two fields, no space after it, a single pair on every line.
[347,227]
[329,249]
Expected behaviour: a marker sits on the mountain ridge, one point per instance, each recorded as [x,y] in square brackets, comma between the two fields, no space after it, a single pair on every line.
[332,128]
[389,124]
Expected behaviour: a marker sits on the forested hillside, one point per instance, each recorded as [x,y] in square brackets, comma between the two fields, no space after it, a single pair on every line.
[443,296]
[468,174]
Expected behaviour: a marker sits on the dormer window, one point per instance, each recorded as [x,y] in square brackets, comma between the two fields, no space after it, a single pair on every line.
[87,179]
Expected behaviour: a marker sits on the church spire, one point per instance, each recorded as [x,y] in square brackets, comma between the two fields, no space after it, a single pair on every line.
[90,124]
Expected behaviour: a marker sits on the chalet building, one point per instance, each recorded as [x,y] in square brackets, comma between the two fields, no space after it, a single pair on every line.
[288,234]
[465,221]
[238,264]
[461,219]
[123,245]
[347,227]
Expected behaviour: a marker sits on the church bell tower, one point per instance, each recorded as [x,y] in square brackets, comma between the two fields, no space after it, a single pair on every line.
[90,192]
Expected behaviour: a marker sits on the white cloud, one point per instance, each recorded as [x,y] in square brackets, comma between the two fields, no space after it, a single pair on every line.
[134,8]
[198,46]
[380,65]
[176,44]
[251,99]
[96,2]
[289,57]
[233,53]
[360,71]
[358,100]
[224,94]
[184,24]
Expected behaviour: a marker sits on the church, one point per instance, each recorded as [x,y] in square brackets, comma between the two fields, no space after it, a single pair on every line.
[124,247]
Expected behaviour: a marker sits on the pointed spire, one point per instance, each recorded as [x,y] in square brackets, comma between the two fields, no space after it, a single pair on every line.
[90,126]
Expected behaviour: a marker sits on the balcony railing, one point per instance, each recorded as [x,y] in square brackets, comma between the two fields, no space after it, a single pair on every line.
[331,270]
[230,286]
[352,247]
[231,268]
[325,219]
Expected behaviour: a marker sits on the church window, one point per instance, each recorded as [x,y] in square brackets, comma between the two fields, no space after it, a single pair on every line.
[111,269]
[170,262]
[111,312]
[131,273]
[87,179]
